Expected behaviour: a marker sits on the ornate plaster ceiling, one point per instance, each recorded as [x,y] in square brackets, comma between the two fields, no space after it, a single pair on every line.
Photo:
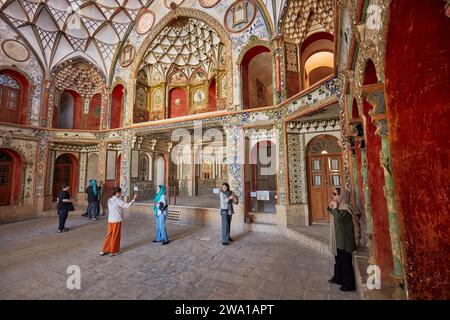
[79,76]
[301,15]
[187,44]
[60,28]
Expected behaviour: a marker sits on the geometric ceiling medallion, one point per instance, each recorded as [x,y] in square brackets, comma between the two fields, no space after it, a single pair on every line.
[15,50]
[145,21]
[240,15]
[127,55]
[208,3]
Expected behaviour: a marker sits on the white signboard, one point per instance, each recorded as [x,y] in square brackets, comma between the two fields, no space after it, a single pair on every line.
[216,190]
[263,195]
[253,194]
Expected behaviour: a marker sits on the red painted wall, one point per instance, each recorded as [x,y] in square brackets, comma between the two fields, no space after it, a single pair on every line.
[178,110]
[92,120]
[417,74]
[212,105]
[116,106]
[292,83]
[24,92]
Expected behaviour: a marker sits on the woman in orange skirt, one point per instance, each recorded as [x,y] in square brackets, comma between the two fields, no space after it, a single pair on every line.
[116,205]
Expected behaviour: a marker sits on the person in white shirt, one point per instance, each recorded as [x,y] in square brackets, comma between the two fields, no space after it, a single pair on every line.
[111,244]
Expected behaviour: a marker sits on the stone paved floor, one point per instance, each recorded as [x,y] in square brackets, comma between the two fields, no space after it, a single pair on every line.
[34,260]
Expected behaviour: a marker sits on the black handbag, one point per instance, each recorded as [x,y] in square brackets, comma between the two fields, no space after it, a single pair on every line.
[70,206]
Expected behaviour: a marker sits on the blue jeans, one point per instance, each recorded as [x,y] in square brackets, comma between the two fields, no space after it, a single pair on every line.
[161,234]
[62,214]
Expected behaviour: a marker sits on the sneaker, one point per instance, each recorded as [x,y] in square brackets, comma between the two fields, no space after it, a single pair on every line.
[114,254]
[59,231]
[156,241]
[165,242]
[229,239]
[95,219]
[225,243]
[65,229]
[103,253]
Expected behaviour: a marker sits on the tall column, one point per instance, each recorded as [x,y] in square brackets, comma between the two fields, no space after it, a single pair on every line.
[378,117]
[106,108]
[235,155]
[125,165]
[279,72]
[41,167]
[102,154]
[282,188]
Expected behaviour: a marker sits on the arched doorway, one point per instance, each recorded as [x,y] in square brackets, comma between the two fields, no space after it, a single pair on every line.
[10,177]
[14,93]
[66,170]
[70,110]
[317,58]
[325,172]
[160,171]
[256,77]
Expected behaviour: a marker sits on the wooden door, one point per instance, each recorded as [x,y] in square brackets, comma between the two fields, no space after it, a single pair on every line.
[5,183]
[62,175]
[9,100]
[324,161]
[325,173]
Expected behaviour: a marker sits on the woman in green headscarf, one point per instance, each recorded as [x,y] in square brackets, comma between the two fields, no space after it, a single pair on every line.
[93,198]
[160,211]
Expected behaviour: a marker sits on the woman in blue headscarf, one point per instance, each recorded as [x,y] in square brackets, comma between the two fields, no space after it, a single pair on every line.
[93,198]
[160,211]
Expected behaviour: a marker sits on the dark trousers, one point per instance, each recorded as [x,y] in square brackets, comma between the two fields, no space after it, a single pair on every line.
[226,224]
[93,209]
[343,269]
[62,214]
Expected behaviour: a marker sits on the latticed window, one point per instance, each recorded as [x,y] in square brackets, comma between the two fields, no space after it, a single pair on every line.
[324,144]
[9,99]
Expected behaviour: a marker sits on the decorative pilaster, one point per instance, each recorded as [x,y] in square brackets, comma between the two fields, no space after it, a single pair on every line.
[125,165]
[367,207]
[378,117]
[41,166]
[82,175]
[105,108]
[279,92]
[235,158]
[102,150]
